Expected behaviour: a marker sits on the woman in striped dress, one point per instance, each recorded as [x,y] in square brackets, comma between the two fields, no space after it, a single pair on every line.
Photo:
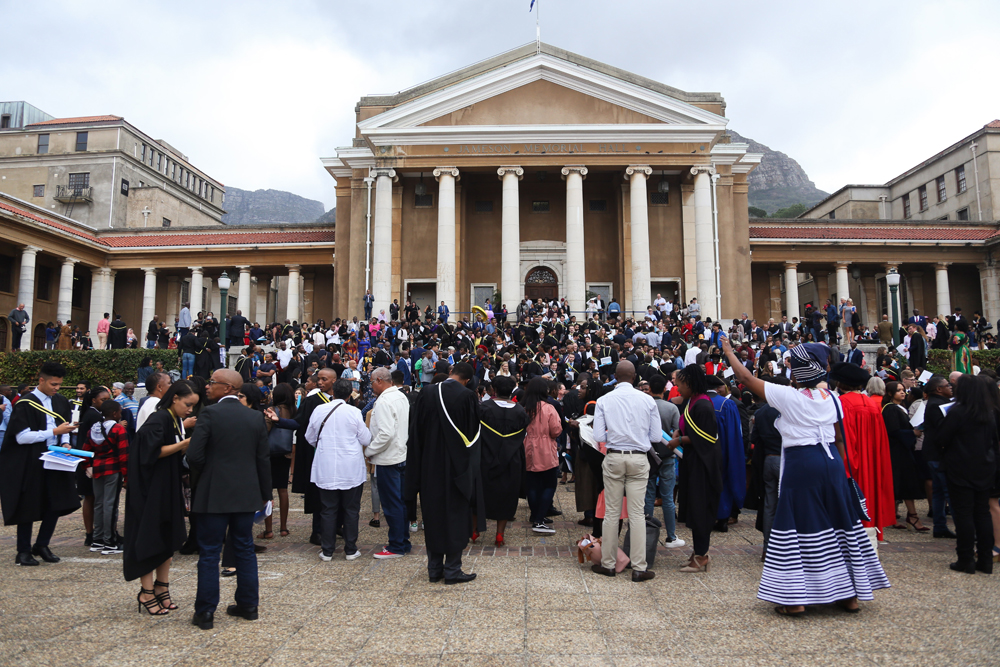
[818,552]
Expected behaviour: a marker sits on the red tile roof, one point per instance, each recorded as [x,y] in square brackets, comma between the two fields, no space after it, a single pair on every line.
[167,240]
[874,233]
[78,119]
[995,123]
[220,238]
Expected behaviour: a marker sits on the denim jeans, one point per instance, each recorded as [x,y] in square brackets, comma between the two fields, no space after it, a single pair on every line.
[390,480]
[150,344]
[211,535]
[187,365]
[939,496]
[541,487]
[666,480]
[772,473]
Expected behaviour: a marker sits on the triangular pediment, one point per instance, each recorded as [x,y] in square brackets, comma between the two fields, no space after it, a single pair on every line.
[542,102]
[539,91]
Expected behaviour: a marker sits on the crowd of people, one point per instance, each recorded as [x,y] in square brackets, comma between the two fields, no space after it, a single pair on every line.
[451,421]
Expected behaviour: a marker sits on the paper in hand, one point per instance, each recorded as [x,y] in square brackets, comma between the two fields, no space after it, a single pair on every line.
[925,376]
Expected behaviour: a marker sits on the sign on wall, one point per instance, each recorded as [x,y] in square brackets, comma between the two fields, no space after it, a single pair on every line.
[125,187]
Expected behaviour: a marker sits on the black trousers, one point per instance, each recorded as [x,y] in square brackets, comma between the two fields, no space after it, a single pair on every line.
[448,565]
[45,530]
[970,510]
[347,501]
[701,540]
[16,334]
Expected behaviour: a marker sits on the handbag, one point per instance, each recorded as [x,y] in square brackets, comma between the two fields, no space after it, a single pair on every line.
[589,549]
[280,441]
[857,497]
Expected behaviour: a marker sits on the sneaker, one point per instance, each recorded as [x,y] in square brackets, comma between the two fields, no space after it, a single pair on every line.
[356,554]
[96,546]
[542,528]
[111,549]
[414,527]
[674,543]
[325,557]
[385,553]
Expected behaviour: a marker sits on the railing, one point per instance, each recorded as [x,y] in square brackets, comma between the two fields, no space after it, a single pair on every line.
[67,194]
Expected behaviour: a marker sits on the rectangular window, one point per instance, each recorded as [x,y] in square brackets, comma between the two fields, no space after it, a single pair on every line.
[79,181]
[6,273]
[922,193]
[233,302]
[423,201]
[539,207]
[942,192]
[4,121]
[659,198]
[142,153]
[159,159]
[44,292]
[185,292]
[43,144]
[833,215]
[963,213]
[960,179]
[906,205]
[38,191]
[598,205]
[166,222]
[484,206]
[81,141]
[77,292]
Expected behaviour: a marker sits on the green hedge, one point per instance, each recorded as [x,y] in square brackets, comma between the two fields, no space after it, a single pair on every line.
[98,366]
[943,361]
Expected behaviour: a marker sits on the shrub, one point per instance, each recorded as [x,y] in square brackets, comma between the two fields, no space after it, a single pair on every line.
[943,361]
[96,366]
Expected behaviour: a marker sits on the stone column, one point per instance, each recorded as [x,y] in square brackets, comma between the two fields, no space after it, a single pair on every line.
[792,290]
[446,288]
[263,292]
[173,300]
[243,296]
[98,298]
[510,237]
[64,308]
[26,291]
[704,240]
[292,306]
[576,268]
[109,294]
[148,303]
[381,242]
[843,286]
[194,293]
[309,295]
[943,290]
[989,278]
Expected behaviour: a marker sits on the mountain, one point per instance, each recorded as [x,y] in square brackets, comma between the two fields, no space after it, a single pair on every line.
[330,216]
[778,181]
[269,206]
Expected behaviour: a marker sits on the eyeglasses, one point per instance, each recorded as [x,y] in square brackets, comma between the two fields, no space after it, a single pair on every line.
[218,382]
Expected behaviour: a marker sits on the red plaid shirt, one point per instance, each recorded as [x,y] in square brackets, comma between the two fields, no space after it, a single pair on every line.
[110,456]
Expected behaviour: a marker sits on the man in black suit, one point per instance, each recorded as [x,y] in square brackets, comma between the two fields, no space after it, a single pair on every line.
[230,458]
[238,326]
[855,356]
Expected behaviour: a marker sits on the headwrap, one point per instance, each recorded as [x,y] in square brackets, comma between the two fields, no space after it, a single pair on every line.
[808,362]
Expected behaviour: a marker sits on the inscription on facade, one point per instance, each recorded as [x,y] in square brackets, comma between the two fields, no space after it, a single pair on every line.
[541,148]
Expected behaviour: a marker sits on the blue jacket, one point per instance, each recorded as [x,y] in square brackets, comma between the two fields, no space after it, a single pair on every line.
[734,467]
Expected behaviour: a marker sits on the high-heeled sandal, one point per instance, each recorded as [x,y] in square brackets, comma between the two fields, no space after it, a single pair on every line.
[499,541]
[911,522]
[165,595]
[996,554]
[150,605]
[698,564]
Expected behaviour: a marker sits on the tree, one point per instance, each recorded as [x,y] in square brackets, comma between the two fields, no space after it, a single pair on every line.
[793,211]
[757,212]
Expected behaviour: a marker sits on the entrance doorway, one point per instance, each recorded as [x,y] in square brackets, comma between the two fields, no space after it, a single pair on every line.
[423,294]
[541,283]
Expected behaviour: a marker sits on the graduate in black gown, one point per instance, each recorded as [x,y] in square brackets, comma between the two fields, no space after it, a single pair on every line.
[118,334]
[502,465]
[443,462]
[29,492]
[303,453]
[154,505]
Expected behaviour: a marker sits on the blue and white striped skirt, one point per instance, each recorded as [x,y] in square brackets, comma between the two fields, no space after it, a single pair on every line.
[818,551]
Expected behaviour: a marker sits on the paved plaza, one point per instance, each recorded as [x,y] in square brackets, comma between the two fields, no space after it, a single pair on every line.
[531,605]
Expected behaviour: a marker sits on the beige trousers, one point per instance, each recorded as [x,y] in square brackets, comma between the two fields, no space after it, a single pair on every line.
[102,341]
[625,474]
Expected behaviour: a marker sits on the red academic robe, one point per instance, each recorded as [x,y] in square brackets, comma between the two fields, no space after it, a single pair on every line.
[868,449]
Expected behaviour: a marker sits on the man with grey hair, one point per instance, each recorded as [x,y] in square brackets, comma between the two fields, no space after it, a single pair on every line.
[389,431]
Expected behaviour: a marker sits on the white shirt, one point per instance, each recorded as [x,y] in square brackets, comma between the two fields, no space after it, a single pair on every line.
[339,463]
[627,419]
[28,437]
[284,356]
[389,428]
[319,340]
[807,415]
[148,408]
[691,356]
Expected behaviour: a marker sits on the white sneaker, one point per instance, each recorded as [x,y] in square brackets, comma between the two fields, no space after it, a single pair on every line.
[111,549]
[356,554]
[414,527]
[674,543]
[323,557]
[542,528]
[96,547]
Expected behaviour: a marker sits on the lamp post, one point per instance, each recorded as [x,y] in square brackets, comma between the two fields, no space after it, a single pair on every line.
[224,283]
[892,280]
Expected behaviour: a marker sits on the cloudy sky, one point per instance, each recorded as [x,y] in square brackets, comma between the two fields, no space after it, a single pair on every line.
[256,92]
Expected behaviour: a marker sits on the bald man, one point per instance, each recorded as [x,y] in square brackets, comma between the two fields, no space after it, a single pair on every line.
[229,455]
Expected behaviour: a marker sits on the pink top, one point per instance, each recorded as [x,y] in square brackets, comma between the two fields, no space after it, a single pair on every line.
[103,326]
[540,449]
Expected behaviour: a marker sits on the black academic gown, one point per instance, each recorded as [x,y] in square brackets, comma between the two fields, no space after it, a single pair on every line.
[502,458]
[701,467]
[304,453]
[154,503]
[443,470]
[27,491]
[203,358]
[118,335]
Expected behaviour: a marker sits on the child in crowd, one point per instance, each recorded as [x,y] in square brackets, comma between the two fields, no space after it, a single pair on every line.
[109,442]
